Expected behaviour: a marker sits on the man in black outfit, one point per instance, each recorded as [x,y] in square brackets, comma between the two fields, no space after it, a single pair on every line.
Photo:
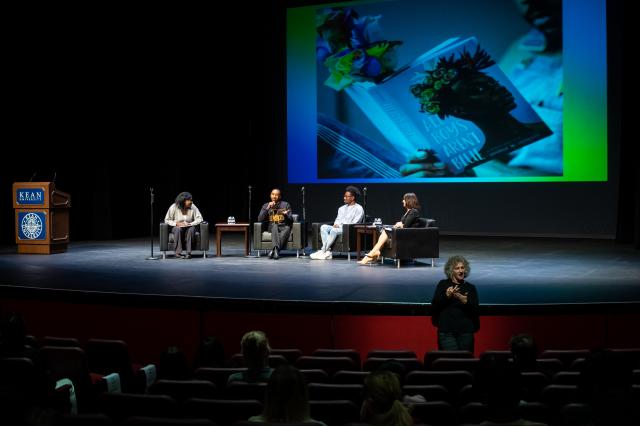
[455,308]
[277,214]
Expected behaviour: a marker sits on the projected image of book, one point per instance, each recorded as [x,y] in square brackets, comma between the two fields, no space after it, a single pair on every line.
[453,102]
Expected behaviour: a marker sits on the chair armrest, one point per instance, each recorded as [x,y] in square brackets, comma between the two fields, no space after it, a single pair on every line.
[204,236]
[257,235]
[349,236]
[296,231]
[164,236]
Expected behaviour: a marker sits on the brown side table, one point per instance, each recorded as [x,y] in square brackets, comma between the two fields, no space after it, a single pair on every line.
[365,230]
[231,227]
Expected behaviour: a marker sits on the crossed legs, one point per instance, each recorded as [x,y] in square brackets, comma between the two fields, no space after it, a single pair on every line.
[373,255]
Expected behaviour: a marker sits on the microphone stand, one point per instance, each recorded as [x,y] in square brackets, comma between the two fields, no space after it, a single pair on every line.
[304,223]
[250,227]
[364,207]
[152,257]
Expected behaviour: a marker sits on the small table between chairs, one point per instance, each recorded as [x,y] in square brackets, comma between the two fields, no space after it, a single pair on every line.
[231,227]
[365,230]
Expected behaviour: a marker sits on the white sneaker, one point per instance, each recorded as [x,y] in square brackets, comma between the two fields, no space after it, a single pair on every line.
[327,256]
[317,255]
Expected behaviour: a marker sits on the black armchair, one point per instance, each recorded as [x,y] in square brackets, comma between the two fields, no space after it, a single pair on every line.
[412,243]
[262,237]
[199,242]
[345,243]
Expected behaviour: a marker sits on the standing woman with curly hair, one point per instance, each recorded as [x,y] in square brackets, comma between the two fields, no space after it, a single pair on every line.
[455,307]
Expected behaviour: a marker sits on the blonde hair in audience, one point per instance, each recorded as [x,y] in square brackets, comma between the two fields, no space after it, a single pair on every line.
[383,405]
[255,349]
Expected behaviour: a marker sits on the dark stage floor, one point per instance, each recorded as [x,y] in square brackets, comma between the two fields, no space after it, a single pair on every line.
[509,272]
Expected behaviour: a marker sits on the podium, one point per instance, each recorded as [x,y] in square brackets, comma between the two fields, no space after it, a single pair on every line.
[42,217]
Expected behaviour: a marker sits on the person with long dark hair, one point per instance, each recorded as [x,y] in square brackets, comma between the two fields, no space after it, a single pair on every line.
[410,219]
[286,399]
[183,216]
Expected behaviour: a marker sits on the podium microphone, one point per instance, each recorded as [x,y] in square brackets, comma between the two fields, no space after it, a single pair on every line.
[55,174]
[33,176]
[152,257]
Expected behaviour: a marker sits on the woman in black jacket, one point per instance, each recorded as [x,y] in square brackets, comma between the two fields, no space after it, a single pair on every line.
[455,307]
[410,219]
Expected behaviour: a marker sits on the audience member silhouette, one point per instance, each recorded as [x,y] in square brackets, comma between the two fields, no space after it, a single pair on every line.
[382,405]
[24,394]
[13,333]
[498,384]
[286,399]
[606,385]
[173,365]
[210,353]
[255,351]
[524,351]
[400,370]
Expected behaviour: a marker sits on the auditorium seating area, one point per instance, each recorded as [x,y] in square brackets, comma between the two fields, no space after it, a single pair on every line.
[442,385]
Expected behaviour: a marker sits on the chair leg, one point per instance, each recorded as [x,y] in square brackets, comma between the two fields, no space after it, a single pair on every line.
[164,255]
[348,256]
[398,263]
[258,252]
[297,253]
[432,262]
[204,255]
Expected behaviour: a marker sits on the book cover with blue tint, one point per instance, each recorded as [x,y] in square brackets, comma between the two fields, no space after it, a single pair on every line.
[452,103]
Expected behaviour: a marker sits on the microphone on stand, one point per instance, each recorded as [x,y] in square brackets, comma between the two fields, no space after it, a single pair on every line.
[304,213]
[152,257]
[304,223]
[364,203]
[364,207]
[250,227]
[33,176]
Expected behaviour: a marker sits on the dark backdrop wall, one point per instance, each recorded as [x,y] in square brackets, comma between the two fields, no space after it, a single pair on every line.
[178,100]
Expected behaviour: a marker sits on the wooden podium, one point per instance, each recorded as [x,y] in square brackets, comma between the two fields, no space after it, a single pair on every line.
[42,217]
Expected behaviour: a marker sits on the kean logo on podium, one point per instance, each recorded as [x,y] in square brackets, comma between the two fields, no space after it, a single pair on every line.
[32,226]
[30,196]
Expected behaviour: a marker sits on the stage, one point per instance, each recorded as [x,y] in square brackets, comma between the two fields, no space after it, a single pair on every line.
[511,274]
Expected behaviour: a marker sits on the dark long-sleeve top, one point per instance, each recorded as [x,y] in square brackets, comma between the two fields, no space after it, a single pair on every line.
[263,216]
[451,315]
[411,219]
